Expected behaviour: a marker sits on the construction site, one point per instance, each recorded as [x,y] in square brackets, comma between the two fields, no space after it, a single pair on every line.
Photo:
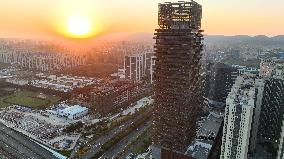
[177,75]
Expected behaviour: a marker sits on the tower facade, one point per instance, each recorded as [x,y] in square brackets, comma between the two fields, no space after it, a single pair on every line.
[272,110]
[280,151]
[177,74]
[219,81]
[273,103]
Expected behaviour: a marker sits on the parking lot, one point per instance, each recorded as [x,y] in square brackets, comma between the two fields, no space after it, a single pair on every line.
[45,129]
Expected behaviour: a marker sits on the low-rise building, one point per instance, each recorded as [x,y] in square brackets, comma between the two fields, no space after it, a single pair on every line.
[108,97]
[71,112]
[74,112]
[62,83]
[207,137]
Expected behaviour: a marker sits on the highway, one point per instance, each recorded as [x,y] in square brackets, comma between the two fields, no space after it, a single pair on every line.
[20,146]
[119,147]
[96,146]
[102,140]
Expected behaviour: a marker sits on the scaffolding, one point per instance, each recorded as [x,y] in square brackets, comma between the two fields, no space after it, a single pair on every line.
[177,74]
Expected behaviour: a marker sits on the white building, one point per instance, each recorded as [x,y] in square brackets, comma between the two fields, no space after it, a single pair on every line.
[74,112]
[133,67]
[152,65]
[241,121]
[138,66]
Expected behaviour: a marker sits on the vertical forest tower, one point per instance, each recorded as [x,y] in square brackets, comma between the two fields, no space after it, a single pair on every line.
[177,74]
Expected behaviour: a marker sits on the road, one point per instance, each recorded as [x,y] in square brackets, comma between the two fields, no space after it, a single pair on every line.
[21,146]
[102,140]
[119,147]
[96,146]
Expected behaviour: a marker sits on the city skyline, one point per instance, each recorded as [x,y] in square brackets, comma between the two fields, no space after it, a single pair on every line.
[48,19]
[152,79]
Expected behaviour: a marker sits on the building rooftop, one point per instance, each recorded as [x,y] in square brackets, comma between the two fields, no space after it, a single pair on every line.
[210,127]
[199,149]
[74,110]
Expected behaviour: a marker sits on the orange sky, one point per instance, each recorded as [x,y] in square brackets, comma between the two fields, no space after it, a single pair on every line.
[47,18]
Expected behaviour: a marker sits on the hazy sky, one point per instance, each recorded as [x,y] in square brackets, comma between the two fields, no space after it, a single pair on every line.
[34,18]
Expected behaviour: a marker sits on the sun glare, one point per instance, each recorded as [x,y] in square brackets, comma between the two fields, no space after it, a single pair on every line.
[78,26]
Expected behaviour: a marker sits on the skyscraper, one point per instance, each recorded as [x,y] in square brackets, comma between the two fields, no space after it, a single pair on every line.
[219,79]
[280,151]
[272,110]
[177,74]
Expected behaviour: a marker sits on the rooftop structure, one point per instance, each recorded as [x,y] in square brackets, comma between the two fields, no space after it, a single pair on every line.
[180,15]
[199,149]
[210,127]
[206,137]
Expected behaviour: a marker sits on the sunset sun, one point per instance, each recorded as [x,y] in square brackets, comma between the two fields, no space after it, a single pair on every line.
[78,26]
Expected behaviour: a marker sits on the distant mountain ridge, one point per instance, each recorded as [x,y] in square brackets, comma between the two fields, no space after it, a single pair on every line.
[244,38]
[148,37]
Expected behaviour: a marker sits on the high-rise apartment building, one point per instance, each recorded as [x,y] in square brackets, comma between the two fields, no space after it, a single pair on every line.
[138,66]
[242,112]
[133,66]
[271,129]
[272,109]
[147,57]
[43,62]
[280,151]
[152,65]
[219,79]
[177,75]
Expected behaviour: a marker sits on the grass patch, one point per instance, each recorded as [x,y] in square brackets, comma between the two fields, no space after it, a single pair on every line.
[28,99]
[3,65]
[54,99]
[3,104]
